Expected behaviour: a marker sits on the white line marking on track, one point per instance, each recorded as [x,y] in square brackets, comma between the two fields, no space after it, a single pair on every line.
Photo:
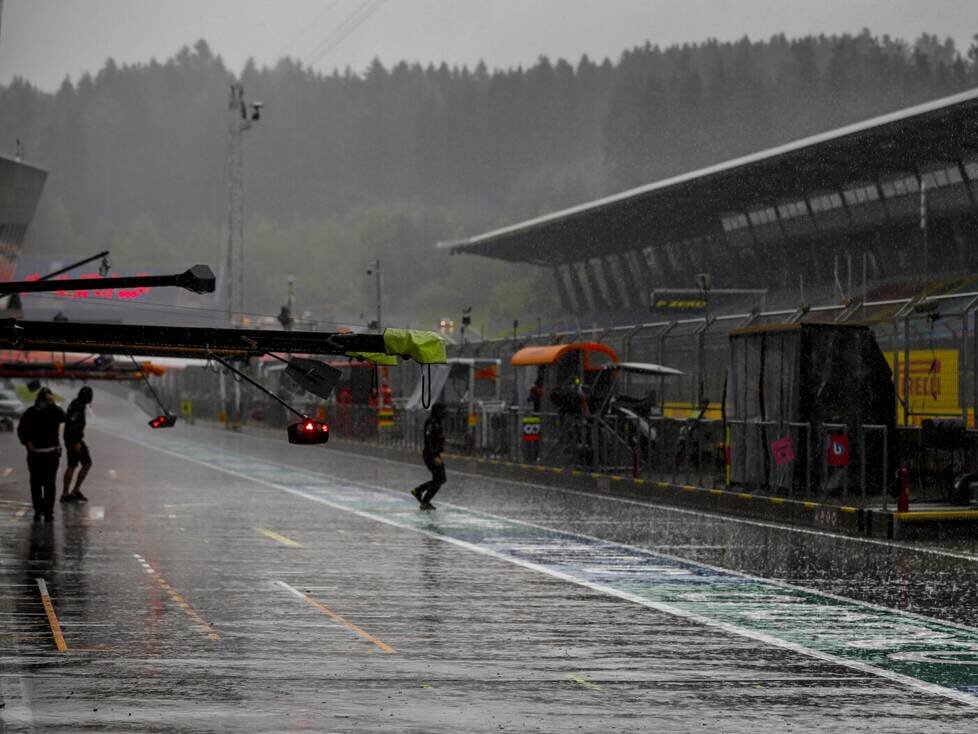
[697,513]
[919,685]
[338,618]
[702,564]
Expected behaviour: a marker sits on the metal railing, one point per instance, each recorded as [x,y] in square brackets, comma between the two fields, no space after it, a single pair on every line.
[737,454]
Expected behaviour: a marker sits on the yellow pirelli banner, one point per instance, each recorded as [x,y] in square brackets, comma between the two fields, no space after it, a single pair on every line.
[933,384]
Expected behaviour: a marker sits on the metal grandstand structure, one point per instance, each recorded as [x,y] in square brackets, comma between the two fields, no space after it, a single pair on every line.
[833,216]
[20,190]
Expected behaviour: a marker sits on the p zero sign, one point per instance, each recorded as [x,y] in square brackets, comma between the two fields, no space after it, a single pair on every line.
[674,302]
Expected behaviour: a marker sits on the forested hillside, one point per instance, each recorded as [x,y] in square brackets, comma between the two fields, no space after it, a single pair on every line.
[350,166]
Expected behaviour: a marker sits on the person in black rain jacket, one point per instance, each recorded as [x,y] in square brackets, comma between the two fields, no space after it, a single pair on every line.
[434,445]
[38,431]
[75,446]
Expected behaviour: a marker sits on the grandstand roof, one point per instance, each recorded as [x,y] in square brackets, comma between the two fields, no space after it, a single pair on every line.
[690,205]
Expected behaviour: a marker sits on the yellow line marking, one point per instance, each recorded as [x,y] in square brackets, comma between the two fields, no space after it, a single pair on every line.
[575,472]
[663,485]
[777,501]
[59,639]
[745,495]
[179,600]
[639,481]
[584,682]
[557,470]
[849,508]
[937,515]
[716,491]
[280,538]
[616,477]
[339,618]
[810,505]
[689,488]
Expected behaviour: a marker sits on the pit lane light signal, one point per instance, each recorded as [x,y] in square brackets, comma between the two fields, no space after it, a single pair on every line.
[308,432]
[163,421]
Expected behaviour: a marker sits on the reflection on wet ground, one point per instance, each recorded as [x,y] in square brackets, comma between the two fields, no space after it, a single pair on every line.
[192,598]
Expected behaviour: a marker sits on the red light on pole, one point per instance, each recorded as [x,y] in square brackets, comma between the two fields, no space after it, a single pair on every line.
[163,421]
[309,432]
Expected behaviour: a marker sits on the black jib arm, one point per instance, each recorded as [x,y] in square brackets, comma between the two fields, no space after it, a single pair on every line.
[205,342]
[198,279]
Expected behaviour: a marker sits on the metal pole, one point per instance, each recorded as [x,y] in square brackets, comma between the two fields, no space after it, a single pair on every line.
[865,268]
[78,264]
[845,470]
[290,301]
[886,473]
[923,227]
[256,384]
[380,323]
[974,369]
[896,369]
[906,371]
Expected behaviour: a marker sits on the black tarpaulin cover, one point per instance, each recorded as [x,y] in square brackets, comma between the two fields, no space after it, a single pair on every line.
[792,391]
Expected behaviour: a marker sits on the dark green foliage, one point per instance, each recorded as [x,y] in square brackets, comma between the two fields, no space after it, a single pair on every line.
[347,167]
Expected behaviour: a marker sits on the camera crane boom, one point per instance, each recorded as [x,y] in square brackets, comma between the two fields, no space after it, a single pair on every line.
[219,345]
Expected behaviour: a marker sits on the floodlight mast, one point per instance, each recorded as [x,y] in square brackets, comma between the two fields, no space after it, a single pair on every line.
[239,120]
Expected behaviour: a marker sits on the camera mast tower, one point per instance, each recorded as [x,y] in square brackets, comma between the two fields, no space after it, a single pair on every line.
[240,119]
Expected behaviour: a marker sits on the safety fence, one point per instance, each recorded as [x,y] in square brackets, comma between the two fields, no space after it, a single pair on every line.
[825,462]
[930,343]
[831,463]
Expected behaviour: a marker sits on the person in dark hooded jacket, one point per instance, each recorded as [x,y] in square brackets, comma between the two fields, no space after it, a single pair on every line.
[76,447]
[38,431]
[431,454]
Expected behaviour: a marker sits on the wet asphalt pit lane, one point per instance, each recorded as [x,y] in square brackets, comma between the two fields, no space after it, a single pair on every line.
[520,617]
[934,656]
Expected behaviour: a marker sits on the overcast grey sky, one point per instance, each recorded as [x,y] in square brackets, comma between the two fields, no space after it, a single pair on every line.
[44,40]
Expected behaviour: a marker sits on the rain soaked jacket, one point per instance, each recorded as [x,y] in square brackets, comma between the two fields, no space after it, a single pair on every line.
[39,426]
[434,437]
[75,422]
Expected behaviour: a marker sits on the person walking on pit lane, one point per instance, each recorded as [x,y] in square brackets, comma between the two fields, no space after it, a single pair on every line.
[434,444]
[38,431]
[75,446]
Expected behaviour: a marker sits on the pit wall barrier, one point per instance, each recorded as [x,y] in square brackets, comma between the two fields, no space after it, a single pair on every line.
[492,445]
[843,519]
[679,451]
[705,453]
